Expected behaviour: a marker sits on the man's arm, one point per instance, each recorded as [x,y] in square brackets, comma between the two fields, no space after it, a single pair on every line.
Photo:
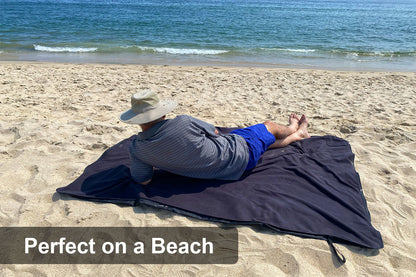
[141,172]
[208,128]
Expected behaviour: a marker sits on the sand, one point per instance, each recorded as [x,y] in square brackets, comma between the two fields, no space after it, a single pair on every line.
[55,119]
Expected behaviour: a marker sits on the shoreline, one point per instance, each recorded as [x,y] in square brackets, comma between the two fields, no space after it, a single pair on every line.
[211,65]
[376,64]
[57,118]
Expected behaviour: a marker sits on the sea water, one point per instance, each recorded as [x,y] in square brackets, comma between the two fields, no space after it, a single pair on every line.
[334,34]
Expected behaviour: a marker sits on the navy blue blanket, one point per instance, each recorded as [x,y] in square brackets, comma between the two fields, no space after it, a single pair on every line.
[309,188]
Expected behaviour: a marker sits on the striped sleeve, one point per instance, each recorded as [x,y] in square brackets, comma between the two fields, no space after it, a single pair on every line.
[140,171]
[208,128]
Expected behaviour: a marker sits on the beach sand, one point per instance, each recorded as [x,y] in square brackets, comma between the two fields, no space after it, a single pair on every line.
[55,119]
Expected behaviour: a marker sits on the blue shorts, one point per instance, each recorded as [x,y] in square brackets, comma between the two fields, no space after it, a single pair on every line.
[258,139]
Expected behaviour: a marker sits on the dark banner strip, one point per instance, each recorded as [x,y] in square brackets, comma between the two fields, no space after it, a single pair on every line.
[118,245]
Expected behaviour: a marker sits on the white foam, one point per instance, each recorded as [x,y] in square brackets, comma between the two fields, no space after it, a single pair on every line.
[183,51]
[300,50]
[63,49]
[353,54]
[289,50]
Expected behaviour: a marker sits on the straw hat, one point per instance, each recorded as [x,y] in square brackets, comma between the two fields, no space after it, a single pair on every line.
[146,107]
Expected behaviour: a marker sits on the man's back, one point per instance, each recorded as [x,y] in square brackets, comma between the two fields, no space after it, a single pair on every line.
[188,146]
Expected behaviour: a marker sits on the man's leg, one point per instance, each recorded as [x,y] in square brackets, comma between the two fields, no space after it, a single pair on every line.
[280,131]
[297,130]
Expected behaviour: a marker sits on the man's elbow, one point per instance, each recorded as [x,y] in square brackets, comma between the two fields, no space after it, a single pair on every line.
[145,182]
[140,182]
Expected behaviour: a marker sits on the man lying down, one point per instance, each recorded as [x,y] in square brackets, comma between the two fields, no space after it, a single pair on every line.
[191,147]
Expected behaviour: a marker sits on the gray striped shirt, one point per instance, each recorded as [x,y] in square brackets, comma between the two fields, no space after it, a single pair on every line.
[188,146]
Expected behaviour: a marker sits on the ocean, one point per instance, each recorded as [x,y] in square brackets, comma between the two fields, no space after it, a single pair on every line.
[328,34]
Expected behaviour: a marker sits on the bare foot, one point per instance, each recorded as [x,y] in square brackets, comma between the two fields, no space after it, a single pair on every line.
[299,134]
[294,122]
[303,127]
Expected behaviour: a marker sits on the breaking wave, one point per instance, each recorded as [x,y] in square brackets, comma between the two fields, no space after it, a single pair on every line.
[64,49]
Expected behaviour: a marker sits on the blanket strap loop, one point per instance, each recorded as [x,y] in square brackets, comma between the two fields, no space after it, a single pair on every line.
[340,258]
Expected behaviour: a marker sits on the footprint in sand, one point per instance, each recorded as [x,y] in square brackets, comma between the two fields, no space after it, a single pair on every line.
[348,129]
[101,129]
[9,136]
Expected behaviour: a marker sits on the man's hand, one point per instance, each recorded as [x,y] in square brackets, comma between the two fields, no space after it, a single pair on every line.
[216,131]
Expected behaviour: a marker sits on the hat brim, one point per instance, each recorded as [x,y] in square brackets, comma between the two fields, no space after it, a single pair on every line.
[164,108]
